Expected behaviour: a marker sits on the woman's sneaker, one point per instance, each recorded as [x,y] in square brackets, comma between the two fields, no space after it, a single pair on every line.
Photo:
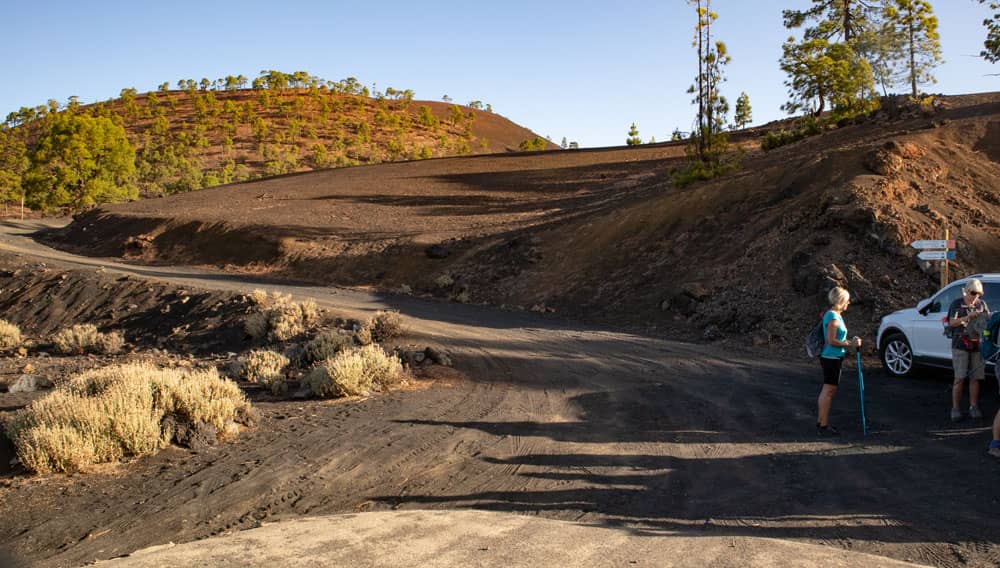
[975,413]
[956,415]
[826,431]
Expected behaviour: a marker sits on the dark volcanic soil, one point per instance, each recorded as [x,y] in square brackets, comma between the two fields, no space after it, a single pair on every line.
[604,235]
[562,420]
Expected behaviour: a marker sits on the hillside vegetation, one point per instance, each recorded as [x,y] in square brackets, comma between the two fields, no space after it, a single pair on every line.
[606,233]
[209,133]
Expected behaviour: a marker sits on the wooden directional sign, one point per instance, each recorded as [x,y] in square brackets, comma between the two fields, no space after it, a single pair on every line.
[924,245]
[937,255]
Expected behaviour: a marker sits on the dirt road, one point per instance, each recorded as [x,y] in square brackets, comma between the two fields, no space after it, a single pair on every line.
[559,419]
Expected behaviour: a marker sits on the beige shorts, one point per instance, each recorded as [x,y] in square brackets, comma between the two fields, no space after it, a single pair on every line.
[962,359]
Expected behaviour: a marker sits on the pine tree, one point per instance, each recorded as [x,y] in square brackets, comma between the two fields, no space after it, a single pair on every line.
[821,73]
[832,62]
[633,136]
[744,114]
[915,24]
[709,142]
[991,52]
[79,161]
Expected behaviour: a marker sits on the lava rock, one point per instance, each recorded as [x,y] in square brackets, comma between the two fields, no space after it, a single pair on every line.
[29,383]
[436,251]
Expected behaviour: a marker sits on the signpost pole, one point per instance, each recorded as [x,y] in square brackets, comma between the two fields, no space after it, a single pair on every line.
[944,263]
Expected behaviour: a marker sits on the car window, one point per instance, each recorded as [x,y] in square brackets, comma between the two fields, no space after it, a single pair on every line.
[943,301]
[991,295]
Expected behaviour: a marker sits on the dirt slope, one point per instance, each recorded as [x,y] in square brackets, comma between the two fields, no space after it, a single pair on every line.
[604,233]
[558,419]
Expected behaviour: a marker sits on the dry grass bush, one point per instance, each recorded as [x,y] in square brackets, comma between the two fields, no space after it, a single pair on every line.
[355,372]
[265,367]
[10,335]
[76,339]
[326,345]
[279,318]
[363,336]
[110,343]
[384,325]
[81,338]
[109,414]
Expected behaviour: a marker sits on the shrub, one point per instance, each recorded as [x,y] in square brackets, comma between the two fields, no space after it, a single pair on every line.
[110,343]
[443,281]
[355,372]
[265,367]
[10,335]
[809,127]
[116,412]
[81,338]
[278,318]
[383,326]
[363,336]
[325,345]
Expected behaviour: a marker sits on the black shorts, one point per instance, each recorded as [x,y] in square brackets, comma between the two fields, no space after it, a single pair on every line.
[831,370]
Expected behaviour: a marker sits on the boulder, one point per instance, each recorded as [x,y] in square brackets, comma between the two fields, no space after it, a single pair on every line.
[438,357]
[29,383]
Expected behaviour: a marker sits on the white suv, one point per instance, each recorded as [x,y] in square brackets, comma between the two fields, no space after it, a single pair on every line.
[915,336]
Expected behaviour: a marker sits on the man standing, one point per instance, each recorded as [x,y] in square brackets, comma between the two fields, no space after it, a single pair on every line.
[964,318]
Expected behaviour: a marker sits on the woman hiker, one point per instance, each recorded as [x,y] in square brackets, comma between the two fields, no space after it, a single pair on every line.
[831,358]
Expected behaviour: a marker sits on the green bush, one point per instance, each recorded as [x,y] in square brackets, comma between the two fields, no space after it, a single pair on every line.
[809,127]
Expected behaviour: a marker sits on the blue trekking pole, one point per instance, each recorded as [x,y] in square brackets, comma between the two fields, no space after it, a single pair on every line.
[861,390]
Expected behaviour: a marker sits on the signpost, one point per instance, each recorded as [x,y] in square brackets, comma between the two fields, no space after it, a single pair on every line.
[937,255]
[943,250]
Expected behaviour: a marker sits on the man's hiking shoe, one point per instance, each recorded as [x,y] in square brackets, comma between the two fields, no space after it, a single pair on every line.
[826,431]
[956,415]
[975,413]
[995,452]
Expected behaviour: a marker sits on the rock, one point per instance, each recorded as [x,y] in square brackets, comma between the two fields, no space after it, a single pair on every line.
[884,162]
[696,291]
[28,368]
[193,436]
[22,352]
[436,251]
[29,383]
[438,357]
[248,416]
[711,333]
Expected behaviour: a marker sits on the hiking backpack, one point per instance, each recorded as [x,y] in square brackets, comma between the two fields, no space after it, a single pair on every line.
[990,336]
[816,340]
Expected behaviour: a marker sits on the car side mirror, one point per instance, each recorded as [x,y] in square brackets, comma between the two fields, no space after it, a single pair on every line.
[922,306]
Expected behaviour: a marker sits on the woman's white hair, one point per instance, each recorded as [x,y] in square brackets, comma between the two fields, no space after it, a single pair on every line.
[838,297]
[973,285]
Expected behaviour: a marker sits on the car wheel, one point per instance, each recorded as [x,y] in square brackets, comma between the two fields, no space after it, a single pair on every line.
[897,357]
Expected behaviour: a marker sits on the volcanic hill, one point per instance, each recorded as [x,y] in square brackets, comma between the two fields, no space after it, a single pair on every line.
[605,234]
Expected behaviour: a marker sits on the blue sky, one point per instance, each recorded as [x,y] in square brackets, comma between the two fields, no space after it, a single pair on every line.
[580,69]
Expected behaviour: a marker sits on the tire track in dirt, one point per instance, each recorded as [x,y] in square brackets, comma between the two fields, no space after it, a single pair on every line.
[558,419]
